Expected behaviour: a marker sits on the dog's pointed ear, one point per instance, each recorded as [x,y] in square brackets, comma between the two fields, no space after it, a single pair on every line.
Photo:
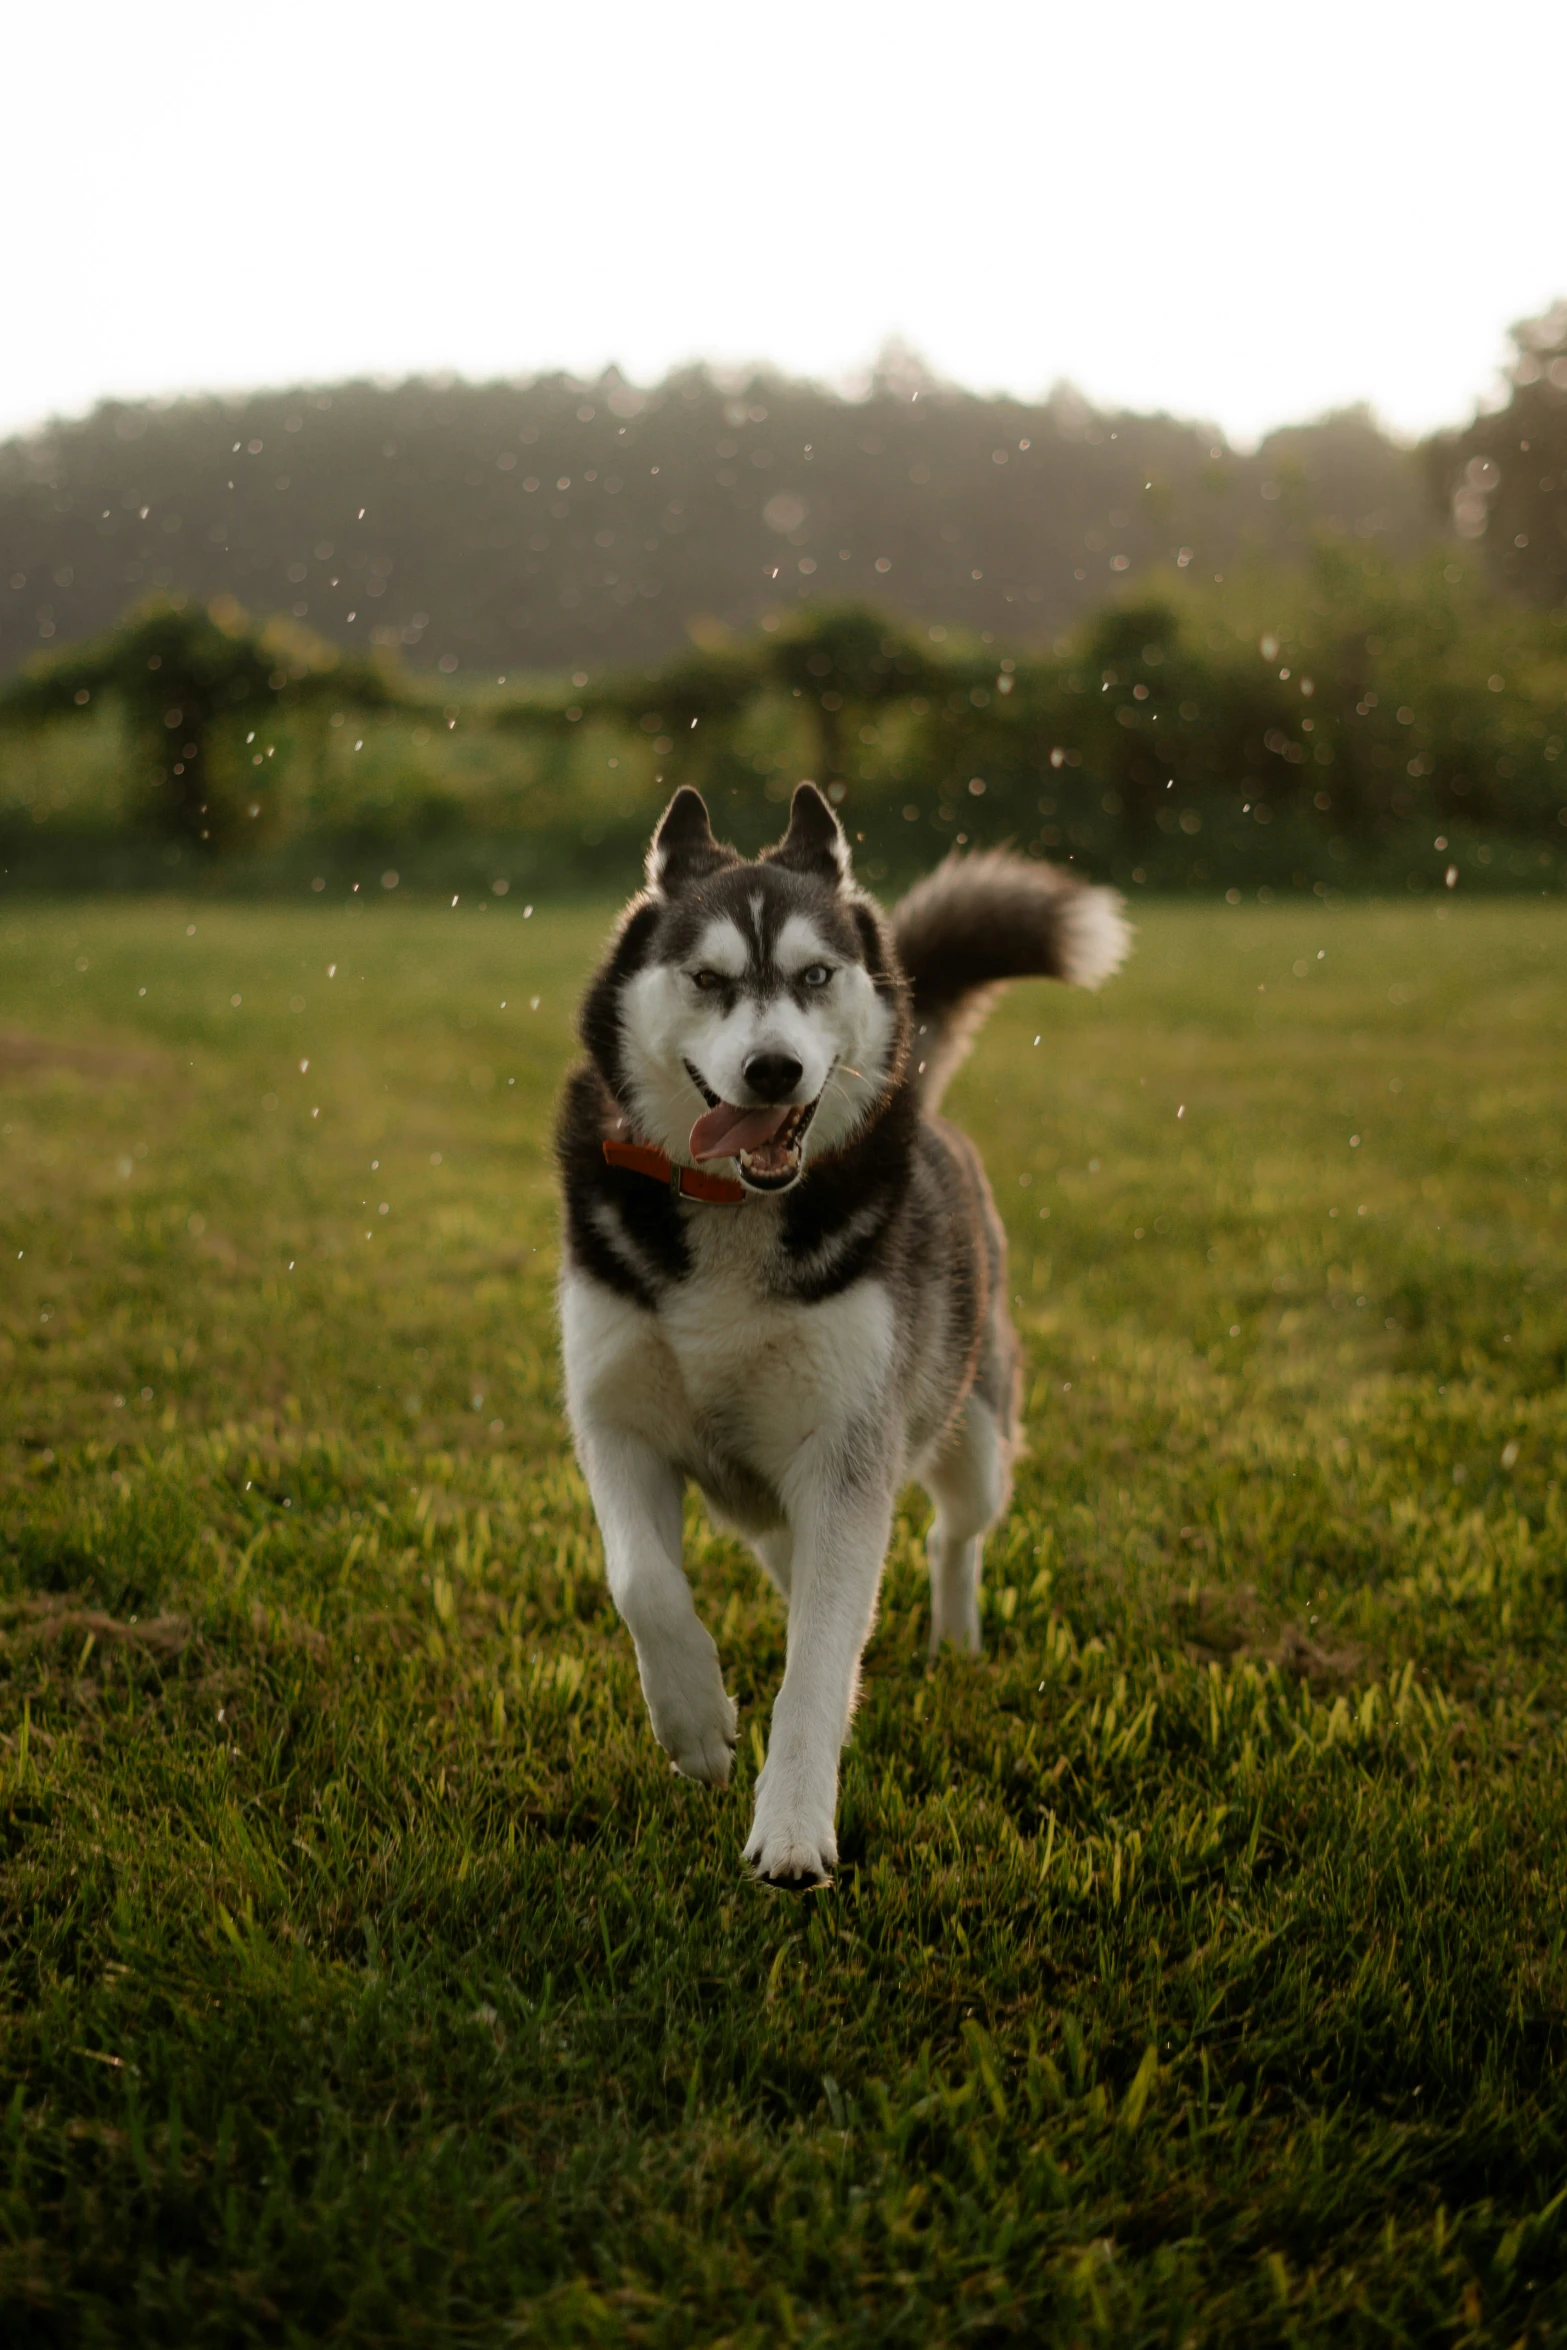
[815,842]
[683,849]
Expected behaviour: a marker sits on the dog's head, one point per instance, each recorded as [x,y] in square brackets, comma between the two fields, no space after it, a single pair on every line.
[751,1012]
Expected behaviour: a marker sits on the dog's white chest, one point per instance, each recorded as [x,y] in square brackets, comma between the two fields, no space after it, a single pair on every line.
[723,1377]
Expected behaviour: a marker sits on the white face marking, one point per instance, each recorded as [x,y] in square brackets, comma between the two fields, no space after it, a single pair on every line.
[720,948]
[800,944]
[861,1024]
[841,1035]
[855,1020]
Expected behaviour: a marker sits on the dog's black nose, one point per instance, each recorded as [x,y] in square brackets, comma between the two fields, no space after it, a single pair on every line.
[772,1076]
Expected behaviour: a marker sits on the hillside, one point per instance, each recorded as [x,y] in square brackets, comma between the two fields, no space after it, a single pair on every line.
[494,527]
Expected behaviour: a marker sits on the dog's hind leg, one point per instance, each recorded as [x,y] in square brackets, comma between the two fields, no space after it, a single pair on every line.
[969,1481]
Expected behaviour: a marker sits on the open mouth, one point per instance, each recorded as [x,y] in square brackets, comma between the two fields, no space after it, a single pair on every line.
[764,1143]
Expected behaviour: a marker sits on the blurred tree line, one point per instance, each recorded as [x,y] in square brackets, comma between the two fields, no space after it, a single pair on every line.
[1342,721]
[1505,474]
[483,529]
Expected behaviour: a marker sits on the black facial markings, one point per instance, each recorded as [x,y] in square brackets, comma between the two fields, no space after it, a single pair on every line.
[721,994]
[599,1022]
[804,993]
[729,895]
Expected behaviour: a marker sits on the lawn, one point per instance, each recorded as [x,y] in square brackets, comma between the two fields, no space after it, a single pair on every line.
[1195,1969]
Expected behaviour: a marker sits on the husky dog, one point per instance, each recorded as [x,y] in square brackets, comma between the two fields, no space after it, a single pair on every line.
[784,1275]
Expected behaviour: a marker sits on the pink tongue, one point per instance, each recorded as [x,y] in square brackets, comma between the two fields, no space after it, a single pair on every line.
[722,1133]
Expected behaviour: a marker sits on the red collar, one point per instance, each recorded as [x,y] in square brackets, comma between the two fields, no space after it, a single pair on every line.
[684,1182]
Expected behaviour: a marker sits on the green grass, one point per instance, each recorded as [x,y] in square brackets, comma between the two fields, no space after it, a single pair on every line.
[1195,1970]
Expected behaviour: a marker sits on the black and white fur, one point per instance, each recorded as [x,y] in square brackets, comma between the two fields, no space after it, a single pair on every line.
[803,1354]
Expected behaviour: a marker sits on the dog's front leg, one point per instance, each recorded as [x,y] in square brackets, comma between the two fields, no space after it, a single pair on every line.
[636,1497]
[841,1521]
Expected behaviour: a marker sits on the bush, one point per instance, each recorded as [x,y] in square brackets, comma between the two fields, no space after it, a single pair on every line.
[1345,724]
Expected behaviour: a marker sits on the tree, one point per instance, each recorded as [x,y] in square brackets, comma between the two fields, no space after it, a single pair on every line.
[183,675]
[840,662]
[1505,475]
[561,525]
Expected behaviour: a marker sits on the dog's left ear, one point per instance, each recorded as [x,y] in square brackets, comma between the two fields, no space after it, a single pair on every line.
[814,843]
[683,848]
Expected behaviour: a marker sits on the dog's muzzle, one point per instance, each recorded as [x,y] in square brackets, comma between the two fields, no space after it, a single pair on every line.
[765,1142]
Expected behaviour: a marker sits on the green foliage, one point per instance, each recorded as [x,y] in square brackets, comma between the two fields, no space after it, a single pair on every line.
[1346,712]
[837,661]
[1195,1969]
[1346,724]
[1353,709]
[1505,473]
[185,681]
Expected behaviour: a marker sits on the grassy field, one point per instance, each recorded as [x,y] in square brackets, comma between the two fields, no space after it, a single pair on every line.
[1195,1971]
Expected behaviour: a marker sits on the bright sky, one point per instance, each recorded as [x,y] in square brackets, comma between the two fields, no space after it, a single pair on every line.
[1237,212]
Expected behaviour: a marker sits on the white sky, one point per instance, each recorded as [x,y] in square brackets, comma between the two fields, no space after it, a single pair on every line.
[1234,211]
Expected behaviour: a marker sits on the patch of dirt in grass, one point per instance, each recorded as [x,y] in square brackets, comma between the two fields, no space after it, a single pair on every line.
[1304,1659]
[46,1052]
[278,1629]
[1225,1623]
[29,1623]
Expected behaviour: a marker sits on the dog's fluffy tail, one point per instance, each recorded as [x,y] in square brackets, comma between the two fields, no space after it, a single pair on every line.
[979,921]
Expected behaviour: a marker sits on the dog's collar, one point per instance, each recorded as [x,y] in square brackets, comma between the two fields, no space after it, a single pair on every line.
[717,1191]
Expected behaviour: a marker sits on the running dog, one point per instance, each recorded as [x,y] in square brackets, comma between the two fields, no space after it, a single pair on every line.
[785,1277]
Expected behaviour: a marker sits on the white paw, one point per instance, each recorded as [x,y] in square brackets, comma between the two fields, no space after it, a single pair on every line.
[792,1841]
[693,1716]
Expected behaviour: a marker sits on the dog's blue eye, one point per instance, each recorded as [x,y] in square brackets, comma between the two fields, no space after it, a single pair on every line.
[816,974]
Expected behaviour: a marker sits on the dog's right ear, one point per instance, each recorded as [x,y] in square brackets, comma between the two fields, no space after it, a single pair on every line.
[683,849]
